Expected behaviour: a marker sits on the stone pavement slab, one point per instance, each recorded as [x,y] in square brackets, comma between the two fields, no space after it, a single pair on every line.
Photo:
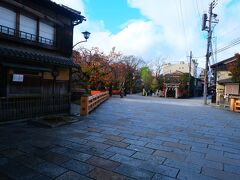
[134,172]
[71,175]
[100,174]
[77,166]
[122,151]
[49,169]
[133,137]
[103,163]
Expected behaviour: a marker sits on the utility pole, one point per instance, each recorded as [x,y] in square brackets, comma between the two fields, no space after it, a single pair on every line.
[190,70]
[209,41]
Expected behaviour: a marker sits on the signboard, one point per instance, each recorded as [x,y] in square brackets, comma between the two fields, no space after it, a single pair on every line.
[231,89]
[17,78]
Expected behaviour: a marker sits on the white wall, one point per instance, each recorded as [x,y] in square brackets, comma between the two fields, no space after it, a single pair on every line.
[182,67]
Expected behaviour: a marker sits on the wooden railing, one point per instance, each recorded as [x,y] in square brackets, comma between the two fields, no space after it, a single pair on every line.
[89,103]
[13,108]
[24,35]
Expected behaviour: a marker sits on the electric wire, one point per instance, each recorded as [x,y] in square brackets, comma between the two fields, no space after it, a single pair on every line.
[230,45]
[224,48]
[184,29]
[196,1]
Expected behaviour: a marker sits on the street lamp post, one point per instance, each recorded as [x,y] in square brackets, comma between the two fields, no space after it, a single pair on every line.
[86,35]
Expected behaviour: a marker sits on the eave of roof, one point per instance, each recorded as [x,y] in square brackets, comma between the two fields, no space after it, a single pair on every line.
[34,56]
[226,61]
[223,81]
[74,14]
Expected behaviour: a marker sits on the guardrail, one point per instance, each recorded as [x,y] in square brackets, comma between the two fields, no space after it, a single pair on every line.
[89,103]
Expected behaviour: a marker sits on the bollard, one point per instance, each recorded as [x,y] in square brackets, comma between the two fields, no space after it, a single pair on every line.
[232,104]
[84,105]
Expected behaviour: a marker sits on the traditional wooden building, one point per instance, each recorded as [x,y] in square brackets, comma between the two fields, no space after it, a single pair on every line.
[36,39]
[172,84]
[223,84]
[176,85]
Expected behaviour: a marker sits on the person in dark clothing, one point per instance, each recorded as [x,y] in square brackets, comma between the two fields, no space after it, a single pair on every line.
[125,91]
[121,92]
[110,90]
[151,92]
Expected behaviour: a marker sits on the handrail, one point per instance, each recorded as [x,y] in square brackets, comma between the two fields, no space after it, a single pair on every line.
[24,35]
[89,103]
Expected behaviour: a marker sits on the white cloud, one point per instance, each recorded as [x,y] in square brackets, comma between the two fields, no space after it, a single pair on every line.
[163,33]
[228,27]
[180,25]
[168,15]
[75,4]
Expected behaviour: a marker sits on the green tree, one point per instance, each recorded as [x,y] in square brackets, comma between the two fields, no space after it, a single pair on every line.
[154,85]
[183,83]
[146,76]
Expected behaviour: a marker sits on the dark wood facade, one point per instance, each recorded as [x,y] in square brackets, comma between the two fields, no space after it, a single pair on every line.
[35,57]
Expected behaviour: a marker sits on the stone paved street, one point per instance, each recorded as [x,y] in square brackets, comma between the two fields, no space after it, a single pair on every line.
[131,138]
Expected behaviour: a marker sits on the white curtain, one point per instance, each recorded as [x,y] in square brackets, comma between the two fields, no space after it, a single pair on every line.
[28,25]
[46,31]
[8,19]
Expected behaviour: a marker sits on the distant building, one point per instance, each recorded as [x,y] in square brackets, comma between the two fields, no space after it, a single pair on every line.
[36,39]
[172,84]
[201,75]
[176,80]
[180,85]
[181,67]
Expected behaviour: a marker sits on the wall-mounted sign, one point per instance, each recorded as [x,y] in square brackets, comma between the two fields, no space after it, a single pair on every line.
[231,89]
[17,78]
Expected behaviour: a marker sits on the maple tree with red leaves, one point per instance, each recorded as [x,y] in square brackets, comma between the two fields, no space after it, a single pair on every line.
[99,71]
[234,68]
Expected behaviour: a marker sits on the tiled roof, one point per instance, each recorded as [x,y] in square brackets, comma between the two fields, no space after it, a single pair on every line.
[34,56]
[224,81]
[226,61]
[73,12]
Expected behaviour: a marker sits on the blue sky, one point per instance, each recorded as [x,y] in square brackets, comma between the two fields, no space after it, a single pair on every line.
[153,29]
[115,13]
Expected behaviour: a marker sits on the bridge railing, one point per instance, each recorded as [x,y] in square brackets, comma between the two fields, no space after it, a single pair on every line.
[89,103]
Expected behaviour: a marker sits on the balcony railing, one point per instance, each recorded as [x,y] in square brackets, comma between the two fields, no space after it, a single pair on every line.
[24,35]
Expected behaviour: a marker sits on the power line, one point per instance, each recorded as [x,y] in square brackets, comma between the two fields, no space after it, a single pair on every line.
[232,44]
[183,25]
[196,1]
[198,14]
[228,47]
